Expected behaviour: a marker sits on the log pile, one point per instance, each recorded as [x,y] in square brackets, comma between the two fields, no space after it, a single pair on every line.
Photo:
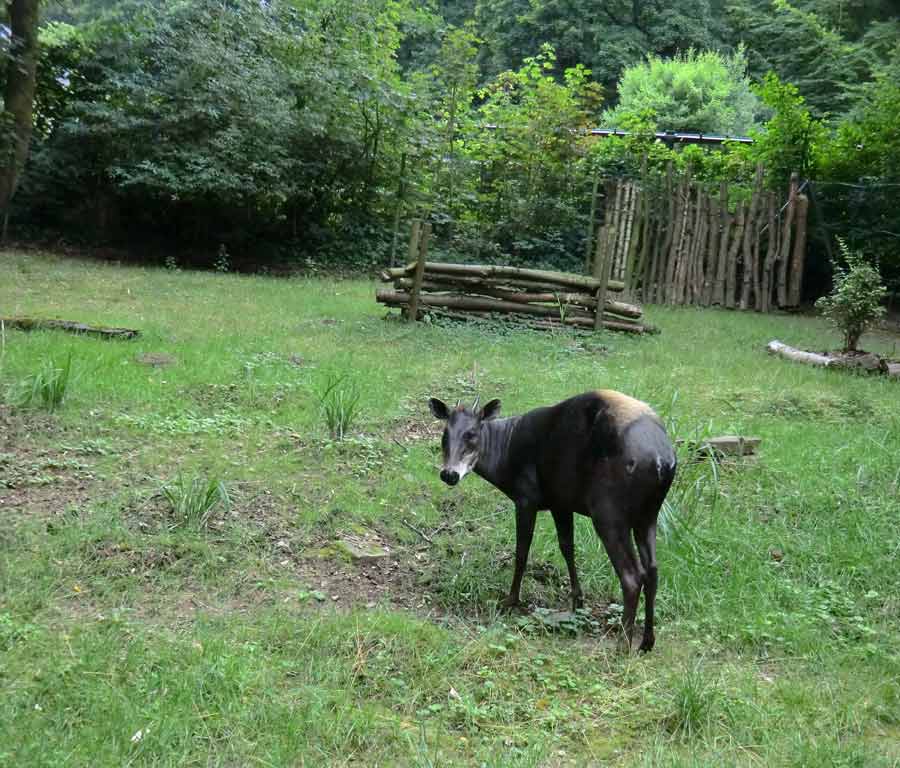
[535,298]
[677,242]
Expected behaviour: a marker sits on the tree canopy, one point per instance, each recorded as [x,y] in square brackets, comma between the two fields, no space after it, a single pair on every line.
[307,129]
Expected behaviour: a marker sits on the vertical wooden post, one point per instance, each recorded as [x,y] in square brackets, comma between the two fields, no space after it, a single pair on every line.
[623,196]
[417,254]
[589,240]
[771,249]
[710,251]
[642,266]
[799,255]
[660,267]
[613,230]
[718,293]
[751,230]
[701,249]
[681,195]
[682,239]
[731,273]
[601,291]
[786,241]
[634,231]
[757,266]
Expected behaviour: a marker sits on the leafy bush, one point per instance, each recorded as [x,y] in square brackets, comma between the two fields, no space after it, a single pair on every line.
[855,303]
[694,91]
[46,388]
[192,499]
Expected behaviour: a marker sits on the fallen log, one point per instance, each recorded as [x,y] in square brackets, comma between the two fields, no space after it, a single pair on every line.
[508,293]
[433,268]
[865,361]
[776,347]
[401,299]
[36,324]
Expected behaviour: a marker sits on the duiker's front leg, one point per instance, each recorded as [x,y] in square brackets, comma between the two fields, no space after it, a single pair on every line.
[525,517]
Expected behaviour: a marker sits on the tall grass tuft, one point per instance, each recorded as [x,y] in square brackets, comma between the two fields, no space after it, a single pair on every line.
[46,388]
[339,400]
[193,499]
[695,704]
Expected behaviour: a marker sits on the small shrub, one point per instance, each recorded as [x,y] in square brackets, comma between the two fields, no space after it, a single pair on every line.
[854,305]
[46,388]
[223,262]
[339,399]
[193,499]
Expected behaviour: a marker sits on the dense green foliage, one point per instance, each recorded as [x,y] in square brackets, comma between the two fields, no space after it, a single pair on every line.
[693,91]
[304,129]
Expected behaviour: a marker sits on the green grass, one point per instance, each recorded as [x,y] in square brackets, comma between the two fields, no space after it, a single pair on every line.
[45,388]
[125,640]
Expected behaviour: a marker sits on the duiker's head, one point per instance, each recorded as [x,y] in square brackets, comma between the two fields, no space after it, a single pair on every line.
[462,436]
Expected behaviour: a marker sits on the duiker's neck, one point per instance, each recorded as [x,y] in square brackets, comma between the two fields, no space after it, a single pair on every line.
[493,454]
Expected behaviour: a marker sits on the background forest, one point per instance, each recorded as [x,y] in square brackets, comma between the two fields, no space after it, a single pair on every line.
[308,130]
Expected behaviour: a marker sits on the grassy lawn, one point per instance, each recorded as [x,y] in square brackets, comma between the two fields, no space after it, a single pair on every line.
[131,635]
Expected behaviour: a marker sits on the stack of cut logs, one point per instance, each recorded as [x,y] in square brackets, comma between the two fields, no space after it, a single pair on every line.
[536,298]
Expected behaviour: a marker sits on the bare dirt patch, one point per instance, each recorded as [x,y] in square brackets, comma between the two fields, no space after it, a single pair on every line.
[155,359]
[39,480]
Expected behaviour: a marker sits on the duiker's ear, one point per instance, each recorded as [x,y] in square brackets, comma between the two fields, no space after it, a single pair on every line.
[438,408]
[491,410]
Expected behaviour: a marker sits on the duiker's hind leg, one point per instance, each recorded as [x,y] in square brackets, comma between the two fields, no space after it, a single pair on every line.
[616,539]
[645,538]
[565,533]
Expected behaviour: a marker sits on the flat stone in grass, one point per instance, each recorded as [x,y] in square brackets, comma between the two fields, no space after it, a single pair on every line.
[894,370]
[358,550]
[155,359]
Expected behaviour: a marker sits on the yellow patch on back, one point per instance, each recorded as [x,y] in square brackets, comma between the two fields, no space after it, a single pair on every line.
[624,409]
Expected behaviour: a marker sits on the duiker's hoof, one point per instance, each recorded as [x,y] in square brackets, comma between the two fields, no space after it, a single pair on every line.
[647,644]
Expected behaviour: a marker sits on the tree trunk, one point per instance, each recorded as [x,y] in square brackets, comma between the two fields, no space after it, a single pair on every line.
[18,95]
